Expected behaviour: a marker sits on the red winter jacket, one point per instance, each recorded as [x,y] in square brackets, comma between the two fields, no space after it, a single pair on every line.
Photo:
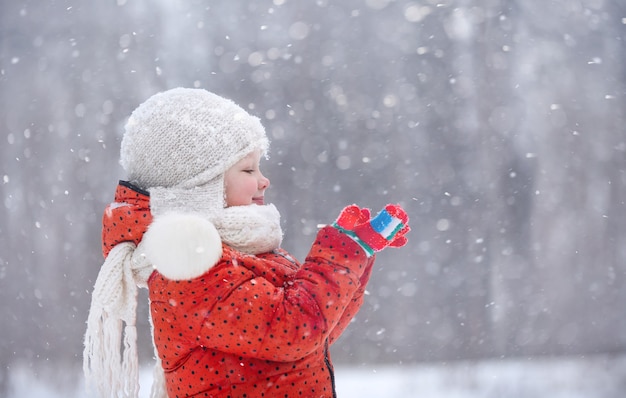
[257,326]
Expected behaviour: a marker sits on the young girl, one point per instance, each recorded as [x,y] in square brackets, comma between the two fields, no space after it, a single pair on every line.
[233,314]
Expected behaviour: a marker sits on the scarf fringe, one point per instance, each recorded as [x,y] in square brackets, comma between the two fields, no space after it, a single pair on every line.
[110,357]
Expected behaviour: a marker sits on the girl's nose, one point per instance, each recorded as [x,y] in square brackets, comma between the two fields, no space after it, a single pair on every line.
[264,183]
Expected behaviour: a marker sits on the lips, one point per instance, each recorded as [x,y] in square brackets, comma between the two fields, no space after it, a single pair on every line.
[259,201]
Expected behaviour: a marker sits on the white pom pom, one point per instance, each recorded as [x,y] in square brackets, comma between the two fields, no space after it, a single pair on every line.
[182,246]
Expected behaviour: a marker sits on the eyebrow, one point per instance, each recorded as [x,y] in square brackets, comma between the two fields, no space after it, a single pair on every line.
[247,164]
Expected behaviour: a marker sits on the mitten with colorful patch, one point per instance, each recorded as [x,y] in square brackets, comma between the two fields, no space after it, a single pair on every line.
[387,228]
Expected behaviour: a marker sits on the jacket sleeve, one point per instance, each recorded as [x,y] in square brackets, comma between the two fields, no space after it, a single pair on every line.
[355,304]
[237,311]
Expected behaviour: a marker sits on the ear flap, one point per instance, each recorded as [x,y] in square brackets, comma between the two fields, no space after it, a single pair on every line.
[182,246]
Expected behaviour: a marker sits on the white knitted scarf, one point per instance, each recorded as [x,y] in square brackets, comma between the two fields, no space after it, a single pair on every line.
[111,369]
[250,229]
[114,370]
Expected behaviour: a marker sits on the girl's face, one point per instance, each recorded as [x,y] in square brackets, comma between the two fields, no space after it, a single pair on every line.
[243,182]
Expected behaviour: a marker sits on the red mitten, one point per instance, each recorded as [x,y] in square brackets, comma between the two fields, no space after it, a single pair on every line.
[388,228]
[351,216]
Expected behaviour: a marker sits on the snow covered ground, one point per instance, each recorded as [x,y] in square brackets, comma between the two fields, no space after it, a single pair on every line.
[591,377]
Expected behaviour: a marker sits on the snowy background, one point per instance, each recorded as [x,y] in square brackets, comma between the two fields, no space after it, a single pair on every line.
[499,126]
[592,377]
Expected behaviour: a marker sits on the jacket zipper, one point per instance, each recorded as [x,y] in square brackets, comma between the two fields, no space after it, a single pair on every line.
[330,368]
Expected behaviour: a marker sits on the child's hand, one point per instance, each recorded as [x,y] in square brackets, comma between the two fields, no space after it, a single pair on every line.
[352,215]
[388,228]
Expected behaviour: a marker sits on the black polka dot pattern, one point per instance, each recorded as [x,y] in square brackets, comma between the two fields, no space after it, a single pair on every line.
[126,219]
[259,326]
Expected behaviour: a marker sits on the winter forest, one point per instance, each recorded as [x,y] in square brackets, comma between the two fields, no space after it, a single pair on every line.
[499,126]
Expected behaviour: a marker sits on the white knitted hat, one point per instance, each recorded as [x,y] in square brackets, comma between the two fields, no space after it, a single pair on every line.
[179,143]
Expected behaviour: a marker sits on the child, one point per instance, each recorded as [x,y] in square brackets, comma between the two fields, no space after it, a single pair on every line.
[233,314]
